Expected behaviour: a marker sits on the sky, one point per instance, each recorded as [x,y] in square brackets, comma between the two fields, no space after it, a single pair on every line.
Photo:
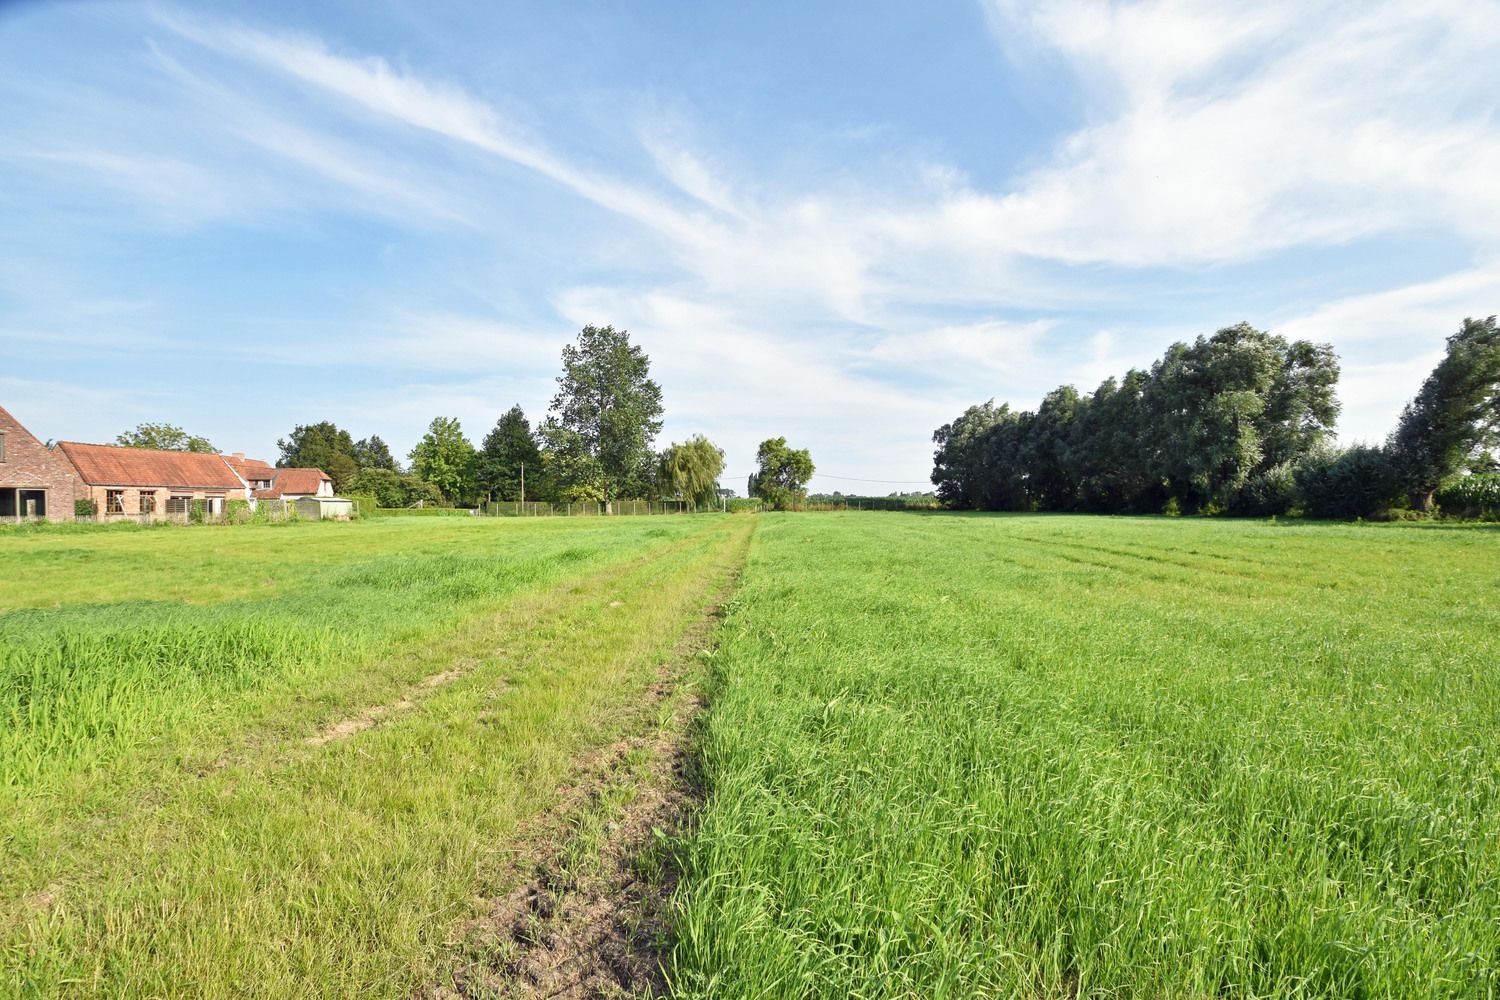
[840,222]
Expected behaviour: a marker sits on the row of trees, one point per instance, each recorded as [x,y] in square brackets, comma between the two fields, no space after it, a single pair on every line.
[594,445]
[1240,422]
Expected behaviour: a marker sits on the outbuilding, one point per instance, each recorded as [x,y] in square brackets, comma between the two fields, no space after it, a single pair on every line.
[35,482]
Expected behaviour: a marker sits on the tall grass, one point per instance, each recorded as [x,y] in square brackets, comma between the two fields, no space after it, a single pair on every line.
[1044,756]
[83,682]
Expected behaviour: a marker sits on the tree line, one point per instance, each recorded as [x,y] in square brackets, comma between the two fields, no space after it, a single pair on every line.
[595,445]
[1239,422]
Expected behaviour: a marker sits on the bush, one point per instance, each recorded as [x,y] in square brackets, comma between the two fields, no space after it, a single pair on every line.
[238,512]
[1472,496]
[1269,494]
[1357,482]
[85,508]
[365,504]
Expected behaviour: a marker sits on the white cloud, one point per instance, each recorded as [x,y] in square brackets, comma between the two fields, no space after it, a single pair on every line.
[1231,130]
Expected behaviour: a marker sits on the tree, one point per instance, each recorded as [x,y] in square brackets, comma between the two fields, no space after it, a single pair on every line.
[445,458]
[1455,415]
[373,453]
[781,480]
[571,474]
[164,437]
[691,470]
[606,397]
[384,485]
[508,447]
[959,470]
[320,446]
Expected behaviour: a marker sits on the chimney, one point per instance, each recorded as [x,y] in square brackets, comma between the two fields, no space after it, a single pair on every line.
[238,456]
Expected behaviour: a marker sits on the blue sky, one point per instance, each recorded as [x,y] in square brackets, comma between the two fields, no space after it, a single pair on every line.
[841,222]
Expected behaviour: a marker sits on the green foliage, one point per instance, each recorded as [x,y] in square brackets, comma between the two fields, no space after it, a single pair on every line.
[445,458]
[1208,418]
[164,437]
[691,470]
[782,474]
[365,504]
[607,398]
[1356,482]
[320,446]
[373,453]
[385,485]
[238,512]
[508,447]
[1271,493]
[1476,496]
[417,490]
[85,508]
[570,472]
[1454,417]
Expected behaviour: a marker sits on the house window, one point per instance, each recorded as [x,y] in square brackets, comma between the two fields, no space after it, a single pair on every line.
[178,504]
[114,501]
[148,502]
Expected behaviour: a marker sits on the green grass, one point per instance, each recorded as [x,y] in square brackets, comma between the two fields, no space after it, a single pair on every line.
[947,756]
[958,756]
[169,829]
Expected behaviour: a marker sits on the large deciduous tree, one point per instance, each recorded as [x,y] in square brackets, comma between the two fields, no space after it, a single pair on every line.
[320,446]
[509,447]
[445,458]
[373,453]
[782,474]
[1454,416]
[165,437]
[691,470]
[959,467]
[607,398]
[571,473]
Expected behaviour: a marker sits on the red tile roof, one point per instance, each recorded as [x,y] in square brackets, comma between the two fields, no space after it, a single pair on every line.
[250,469]
[298,481]
[110,465]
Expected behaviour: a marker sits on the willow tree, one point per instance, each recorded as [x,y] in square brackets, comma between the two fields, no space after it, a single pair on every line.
[1454,416]
[691,470]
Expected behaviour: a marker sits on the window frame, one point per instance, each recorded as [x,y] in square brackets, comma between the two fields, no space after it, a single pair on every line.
[147,501]
[114,501]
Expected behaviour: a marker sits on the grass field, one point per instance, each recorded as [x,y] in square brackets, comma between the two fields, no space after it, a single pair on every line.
[1025,756]
[944,755]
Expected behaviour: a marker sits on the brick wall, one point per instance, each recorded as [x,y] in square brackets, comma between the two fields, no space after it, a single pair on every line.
[131,497]
[30,465]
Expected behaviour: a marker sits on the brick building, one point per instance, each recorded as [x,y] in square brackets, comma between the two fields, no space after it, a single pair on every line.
[34,480]
[137,482]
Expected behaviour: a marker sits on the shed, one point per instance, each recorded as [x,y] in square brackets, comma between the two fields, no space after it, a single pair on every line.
[323,508]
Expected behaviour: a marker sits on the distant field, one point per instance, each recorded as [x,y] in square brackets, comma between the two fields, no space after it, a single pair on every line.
[944,755]
[1033,756]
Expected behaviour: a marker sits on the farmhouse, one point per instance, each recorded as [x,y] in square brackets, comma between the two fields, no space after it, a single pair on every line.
[142,481]
[34,480]
[294,484]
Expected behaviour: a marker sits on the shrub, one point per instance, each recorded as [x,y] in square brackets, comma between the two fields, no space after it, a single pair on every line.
[365,504]
[1472,496]
[1360,481]
[238,512]
[85,508]
[1268,494]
